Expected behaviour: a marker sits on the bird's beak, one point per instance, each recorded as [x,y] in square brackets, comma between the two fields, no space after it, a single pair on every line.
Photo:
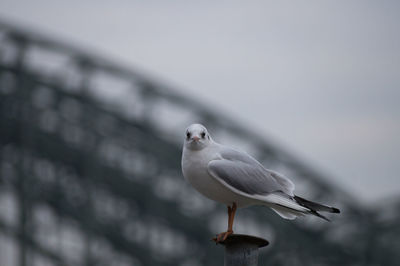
[196,138]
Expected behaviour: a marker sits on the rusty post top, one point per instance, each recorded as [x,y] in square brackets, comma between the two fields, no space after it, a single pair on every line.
[252,240]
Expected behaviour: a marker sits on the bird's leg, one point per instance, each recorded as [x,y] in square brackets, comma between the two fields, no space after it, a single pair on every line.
[231,216]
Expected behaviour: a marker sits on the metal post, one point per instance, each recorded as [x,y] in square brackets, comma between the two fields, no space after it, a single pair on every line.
[242,250]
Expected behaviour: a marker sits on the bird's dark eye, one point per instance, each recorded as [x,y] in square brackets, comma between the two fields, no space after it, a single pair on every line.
[203,134]
[188,134]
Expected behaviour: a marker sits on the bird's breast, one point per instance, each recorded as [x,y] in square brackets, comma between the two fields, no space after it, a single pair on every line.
[194,166]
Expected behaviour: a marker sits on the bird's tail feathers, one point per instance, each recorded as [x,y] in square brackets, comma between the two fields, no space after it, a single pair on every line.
[291,207]
[284,205]
[286,213]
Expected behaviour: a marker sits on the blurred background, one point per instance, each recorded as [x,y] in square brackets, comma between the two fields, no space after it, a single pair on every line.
[95,97]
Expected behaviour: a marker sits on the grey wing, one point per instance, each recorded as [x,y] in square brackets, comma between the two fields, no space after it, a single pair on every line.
[242,172]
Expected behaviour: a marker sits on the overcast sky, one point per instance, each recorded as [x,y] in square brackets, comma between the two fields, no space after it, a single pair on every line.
[321,78]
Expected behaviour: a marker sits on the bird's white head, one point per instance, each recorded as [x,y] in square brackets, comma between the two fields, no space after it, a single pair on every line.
[197,137]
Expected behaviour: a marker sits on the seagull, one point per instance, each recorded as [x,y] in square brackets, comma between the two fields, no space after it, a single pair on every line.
[236,179]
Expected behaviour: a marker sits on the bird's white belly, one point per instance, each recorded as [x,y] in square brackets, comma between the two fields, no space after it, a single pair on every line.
[203,182]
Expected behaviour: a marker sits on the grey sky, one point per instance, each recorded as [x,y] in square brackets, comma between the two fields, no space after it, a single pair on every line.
[322,78]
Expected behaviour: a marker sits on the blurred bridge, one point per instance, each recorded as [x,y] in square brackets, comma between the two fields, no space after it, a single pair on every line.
[90,171]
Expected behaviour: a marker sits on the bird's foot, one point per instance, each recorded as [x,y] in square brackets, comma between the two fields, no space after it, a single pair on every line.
[222,237]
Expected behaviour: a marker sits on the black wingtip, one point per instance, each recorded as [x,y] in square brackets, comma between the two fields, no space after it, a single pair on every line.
[335,210]
[320,216]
